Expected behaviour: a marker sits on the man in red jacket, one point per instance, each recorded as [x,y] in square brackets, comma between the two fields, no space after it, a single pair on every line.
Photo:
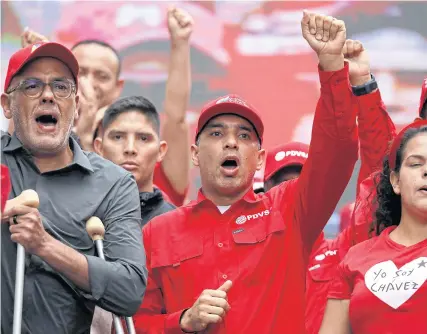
[285,162]
[233,262]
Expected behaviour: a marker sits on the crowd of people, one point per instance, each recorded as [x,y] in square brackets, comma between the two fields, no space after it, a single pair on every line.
[233,260]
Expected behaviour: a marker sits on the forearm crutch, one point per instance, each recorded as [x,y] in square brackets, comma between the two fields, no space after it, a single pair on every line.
[29,198]
[95,229]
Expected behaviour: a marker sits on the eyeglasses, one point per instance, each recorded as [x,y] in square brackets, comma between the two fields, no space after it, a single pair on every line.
[34,88]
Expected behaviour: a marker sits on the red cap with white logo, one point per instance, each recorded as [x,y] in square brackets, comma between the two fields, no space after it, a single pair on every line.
[41,49]
[230,104]
[285,155]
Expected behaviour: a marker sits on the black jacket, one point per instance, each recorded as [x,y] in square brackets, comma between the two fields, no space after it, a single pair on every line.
[153,204]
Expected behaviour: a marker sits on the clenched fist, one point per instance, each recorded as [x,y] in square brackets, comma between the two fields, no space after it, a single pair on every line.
[180,25]
[30,37]
[210,308]
[358,59]
[326,36]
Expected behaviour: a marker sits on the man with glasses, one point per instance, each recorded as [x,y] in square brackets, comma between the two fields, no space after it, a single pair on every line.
[64,279]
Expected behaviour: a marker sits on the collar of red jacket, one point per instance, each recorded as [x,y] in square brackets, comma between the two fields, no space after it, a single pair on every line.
[250,197]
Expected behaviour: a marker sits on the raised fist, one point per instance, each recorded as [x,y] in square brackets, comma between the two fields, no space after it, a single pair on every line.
[358,59]
[180,25]
[325,34]
[30,37]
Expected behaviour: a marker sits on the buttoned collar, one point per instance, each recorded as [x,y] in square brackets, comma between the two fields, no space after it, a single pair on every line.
[79,157]
[249,197]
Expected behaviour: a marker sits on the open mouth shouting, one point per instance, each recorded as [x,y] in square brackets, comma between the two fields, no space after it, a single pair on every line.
[230,166]
[47,121]
[423,190]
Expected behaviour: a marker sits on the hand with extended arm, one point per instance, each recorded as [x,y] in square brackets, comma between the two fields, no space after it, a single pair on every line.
[358,60]
[30,37]
[326,36]
[178,89]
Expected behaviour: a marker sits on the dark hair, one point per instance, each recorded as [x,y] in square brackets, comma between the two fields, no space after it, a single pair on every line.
[279,176]
[104,44]
[129,103]
[388,203]
[423,112]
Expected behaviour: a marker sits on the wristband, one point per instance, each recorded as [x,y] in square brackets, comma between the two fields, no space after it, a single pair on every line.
[366,88]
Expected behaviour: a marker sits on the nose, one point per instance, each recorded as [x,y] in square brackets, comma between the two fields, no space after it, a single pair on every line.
[230,142]
[130,148]
[47,96]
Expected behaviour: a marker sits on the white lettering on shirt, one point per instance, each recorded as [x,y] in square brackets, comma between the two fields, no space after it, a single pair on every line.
[395,286]
[283,154]
[244,218]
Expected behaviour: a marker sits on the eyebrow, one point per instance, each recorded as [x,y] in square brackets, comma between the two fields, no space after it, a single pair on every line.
[121,132]
[223,126]
[54,79]
[416,156]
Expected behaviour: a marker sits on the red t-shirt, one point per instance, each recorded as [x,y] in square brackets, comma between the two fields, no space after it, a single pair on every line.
[386,285]
[327,254]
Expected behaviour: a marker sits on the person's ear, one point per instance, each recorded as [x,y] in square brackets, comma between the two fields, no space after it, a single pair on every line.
[163,149]
[97,146]
[394,180]
[195,155]
[5,104]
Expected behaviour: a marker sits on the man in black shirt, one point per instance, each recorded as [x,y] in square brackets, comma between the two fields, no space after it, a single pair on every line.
[131,139]
[64,279]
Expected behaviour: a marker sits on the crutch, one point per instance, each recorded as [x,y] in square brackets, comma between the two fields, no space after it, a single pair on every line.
[30,198]
[95,229]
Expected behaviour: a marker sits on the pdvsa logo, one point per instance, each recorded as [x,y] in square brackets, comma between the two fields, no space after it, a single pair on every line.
[282,154]
[321,257]
[231,99]
[243,219]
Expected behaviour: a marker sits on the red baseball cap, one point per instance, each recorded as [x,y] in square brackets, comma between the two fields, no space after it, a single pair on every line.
[423,97]
[37,50]
[230,104]
[290,154]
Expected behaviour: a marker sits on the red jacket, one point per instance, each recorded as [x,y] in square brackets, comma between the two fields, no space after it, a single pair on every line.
[261,243]
[376,130]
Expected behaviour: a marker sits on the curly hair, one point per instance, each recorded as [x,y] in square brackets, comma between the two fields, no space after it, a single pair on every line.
[387,202]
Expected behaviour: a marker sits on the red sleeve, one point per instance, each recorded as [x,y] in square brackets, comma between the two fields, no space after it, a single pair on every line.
[361,218]
[150,317]
[364,210]
[341,286]
[162,182]
[5,186]
[376,130]
[331,158]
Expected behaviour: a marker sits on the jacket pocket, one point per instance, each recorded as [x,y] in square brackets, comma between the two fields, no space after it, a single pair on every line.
[178,266]
[323,272]
[258,231]
[257,245]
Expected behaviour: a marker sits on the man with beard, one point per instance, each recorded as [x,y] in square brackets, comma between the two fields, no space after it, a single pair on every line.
[64,280]
[101,85]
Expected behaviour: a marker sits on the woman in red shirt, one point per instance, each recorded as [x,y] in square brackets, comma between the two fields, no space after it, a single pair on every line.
[381,284]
